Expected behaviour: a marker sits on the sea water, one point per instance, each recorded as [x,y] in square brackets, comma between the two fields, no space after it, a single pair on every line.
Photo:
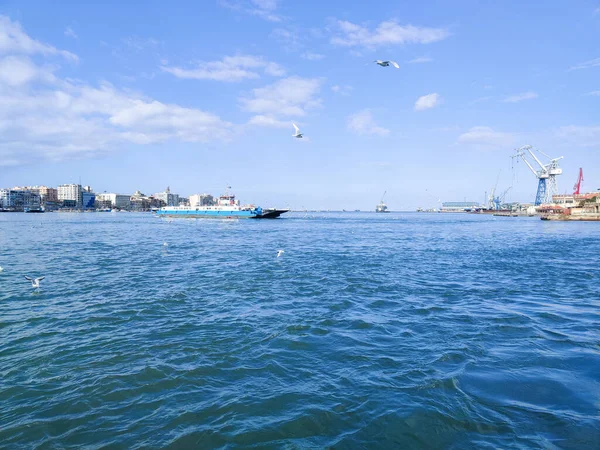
[398,330]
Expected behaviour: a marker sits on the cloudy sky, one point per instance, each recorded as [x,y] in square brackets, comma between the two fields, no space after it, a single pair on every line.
[200,95]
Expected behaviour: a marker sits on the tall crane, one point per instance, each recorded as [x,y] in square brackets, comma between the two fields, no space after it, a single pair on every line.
[490,200]
[577,186]
[547,186]
[500,199]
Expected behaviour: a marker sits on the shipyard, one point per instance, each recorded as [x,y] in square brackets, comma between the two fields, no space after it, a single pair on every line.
[549,204]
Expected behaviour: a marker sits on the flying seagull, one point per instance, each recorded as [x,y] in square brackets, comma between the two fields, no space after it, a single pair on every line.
[298,134]
[279,253]
[35,283]
[387,63]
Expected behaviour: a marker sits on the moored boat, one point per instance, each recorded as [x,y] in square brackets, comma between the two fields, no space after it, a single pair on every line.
[227,207]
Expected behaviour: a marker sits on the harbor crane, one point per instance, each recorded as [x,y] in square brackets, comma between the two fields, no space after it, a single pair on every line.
[494,201]
[500,199]
[547,186]
[490,200]
[577,186]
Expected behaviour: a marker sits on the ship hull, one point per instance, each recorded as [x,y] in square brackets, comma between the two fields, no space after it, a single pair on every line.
[220,214]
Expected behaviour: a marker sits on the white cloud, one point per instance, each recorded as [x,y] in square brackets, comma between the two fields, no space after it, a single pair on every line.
[290,38]
[594,93]
[427,101]
[386,33]
[342,90]
[586,65]
[44,117]
[585,136]
[420,60]
[268,121]
[20,70]
[312,56]
[13,40]
[265,9]
[138,44]
[70,33]
[66,120]
[287,97]
[229,69]
[363,123]
[520,97]
[486,137]
[267,5]
[480,99]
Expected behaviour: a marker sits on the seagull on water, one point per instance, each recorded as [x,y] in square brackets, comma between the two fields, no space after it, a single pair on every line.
[279,253]
[165,244]
[35,283]
[298,134]
[1,269]
[386,63]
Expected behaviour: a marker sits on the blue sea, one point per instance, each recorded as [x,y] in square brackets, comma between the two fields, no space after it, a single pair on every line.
[400,331]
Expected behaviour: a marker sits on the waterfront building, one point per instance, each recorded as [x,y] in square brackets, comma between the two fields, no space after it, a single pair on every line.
[19,199]
[184,201]
[592,205]
[70,195]
[140,202]
[47,194]
[88,200]
[458,206]
[168,198]
[201,200]
[571,200]
[111,200]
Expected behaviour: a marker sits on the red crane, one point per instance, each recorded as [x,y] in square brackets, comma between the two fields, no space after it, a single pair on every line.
[577,186]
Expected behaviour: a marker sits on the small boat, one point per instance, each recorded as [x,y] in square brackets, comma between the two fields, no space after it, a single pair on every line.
[382,207]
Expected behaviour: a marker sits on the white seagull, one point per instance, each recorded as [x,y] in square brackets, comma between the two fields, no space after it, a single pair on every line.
[387,63]
[298,134]
[279,253]
[1,269]
[165,244]
[35,283]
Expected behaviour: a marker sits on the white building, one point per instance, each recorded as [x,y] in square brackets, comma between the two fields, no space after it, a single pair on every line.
[19,199]
[168,198]
[201,200]
[69,195]
[114,200]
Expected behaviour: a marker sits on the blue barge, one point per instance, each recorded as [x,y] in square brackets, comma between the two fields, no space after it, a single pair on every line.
[226,208]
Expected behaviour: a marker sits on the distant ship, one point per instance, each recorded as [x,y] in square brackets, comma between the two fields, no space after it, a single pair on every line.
[226,208]
[382,207]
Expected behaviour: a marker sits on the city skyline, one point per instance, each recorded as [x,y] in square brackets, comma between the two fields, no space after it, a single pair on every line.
[130,98]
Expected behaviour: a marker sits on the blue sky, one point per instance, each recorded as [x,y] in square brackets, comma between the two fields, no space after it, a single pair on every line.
[199,95]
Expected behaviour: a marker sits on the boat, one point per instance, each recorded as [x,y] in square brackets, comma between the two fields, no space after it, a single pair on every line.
[227,207]
[33,210]
[382,207]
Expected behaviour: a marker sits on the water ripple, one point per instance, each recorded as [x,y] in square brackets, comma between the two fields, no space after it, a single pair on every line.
[371,331]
